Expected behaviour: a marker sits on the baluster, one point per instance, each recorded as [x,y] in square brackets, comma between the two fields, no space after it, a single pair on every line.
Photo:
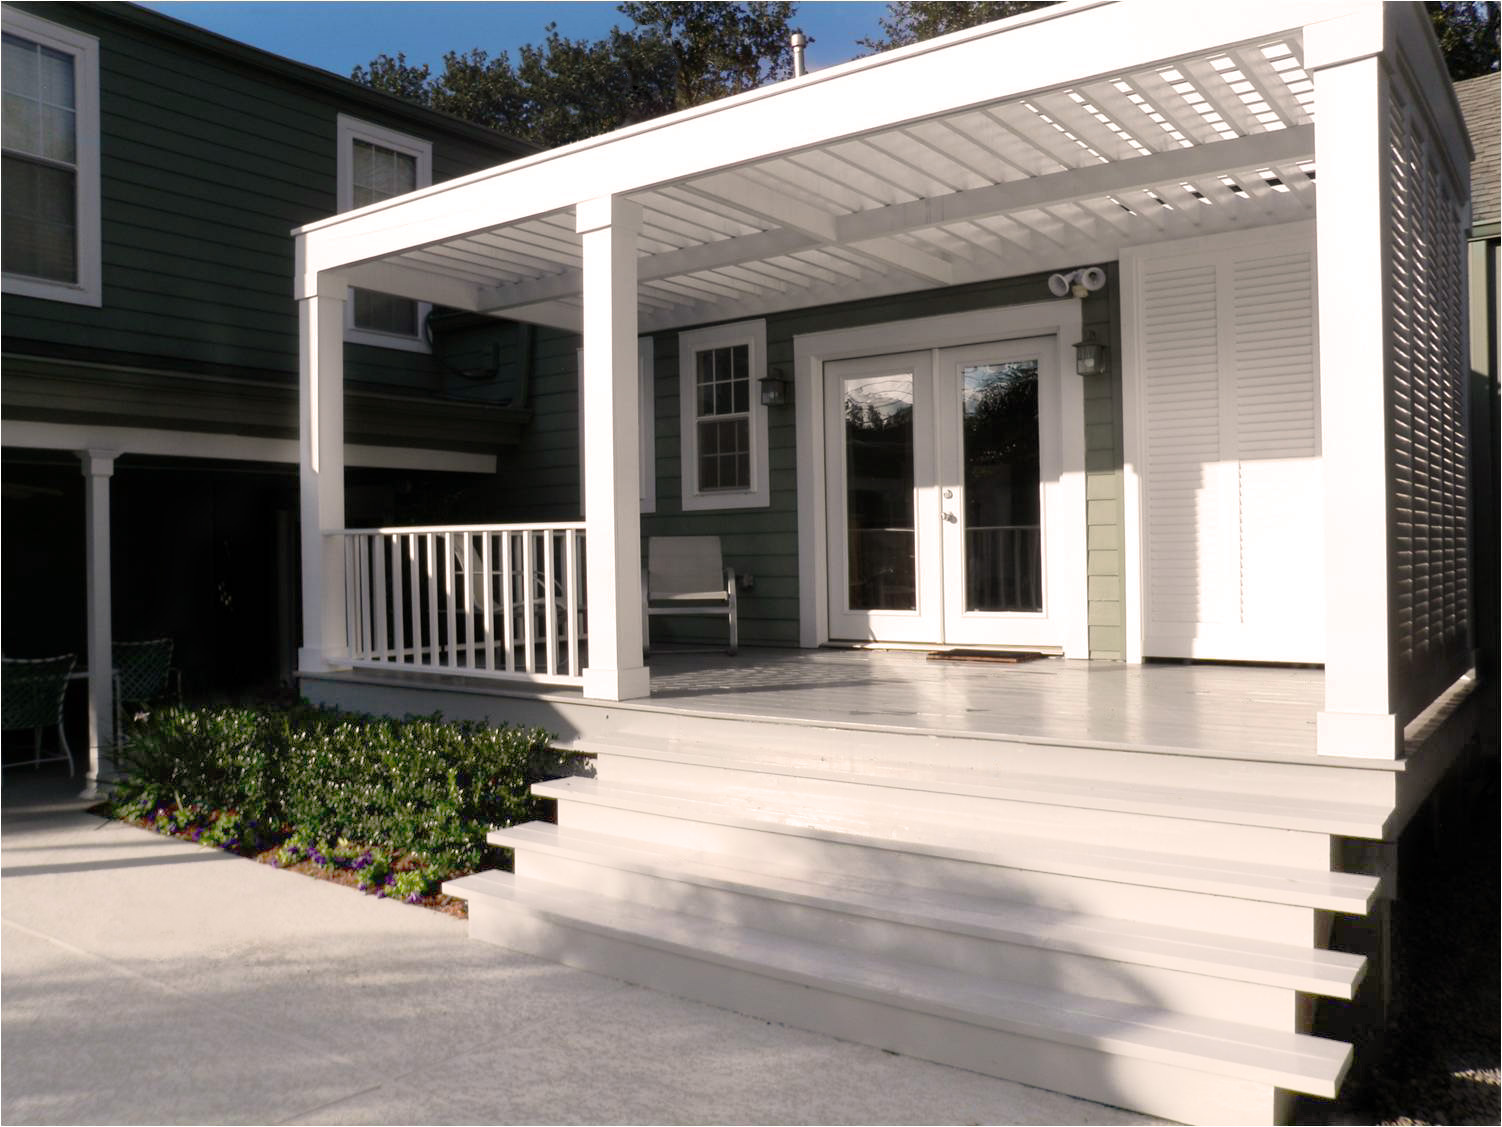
[508,600]
[571,578]
[398,619]
[432,604]
[469,599]
[487,617]
[529,579]
[382,638]
[449,596]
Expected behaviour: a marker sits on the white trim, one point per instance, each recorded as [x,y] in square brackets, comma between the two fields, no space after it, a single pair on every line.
[350,130]
[753,334]
[89,289]
[1060,319]
[229,447]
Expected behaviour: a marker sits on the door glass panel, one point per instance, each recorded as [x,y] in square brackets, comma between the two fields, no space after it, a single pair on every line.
[1003,549]
[880,534]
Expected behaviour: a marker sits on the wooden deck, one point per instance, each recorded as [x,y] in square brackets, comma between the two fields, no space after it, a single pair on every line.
[1243,711]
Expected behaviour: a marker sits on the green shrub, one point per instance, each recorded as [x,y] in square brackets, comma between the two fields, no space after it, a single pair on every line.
[347,791]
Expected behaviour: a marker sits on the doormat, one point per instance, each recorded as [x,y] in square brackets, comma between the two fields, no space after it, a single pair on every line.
[987,657]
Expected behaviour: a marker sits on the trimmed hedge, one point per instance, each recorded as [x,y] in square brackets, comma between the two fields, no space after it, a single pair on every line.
[420,789]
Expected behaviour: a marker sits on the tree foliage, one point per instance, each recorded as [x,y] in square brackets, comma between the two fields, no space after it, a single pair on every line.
[1467,35]
[912,21]
[562,90]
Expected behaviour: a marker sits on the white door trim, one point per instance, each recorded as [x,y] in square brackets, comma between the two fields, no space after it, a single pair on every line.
[1060,319]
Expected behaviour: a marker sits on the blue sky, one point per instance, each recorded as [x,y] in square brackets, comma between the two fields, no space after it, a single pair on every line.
[339,36]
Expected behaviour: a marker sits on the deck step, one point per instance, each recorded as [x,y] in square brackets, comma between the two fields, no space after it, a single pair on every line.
[1313,971]
[894,828]
[1179,1066]
[1231,803]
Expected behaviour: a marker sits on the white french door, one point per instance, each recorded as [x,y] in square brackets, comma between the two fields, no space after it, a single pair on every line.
[943,465]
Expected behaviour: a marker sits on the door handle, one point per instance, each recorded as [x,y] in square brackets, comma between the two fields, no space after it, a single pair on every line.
[950,518]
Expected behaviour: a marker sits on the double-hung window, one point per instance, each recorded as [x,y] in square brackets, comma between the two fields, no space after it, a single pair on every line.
[724,425]
[376,164]
[50,76]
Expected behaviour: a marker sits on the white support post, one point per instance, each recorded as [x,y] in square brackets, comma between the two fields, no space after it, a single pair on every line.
[1353,244]
[321,463]
[615,671]
[98,468]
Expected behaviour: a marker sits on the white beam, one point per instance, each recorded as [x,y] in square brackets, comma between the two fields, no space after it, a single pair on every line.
[865,230]
[419,285]
[988,64]
[28,435]
[780,210]
[612,504]
[321,471]
[98,468]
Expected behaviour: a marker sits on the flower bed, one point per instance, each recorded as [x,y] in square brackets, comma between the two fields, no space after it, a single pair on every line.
[392,807]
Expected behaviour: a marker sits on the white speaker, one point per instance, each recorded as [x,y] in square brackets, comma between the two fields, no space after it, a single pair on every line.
[1091,277]
[1058,284]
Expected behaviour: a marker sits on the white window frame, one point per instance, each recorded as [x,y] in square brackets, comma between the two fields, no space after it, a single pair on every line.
[352,129]
[89,289]
[754,335]
[646,425]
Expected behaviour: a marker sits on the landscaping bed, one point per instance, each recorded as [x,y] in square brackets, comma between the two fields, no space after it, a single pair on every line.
[390,807]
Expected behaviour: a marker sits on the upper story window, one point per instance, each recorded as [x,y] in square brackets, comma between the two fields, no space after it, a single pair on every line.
[376,164]
[50,76]
[724,426]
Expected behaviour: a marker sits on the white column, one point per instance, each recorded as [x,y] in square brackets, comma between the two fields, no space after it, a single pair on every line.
[1359,718]
[320,442]
[612,502]
[98,468]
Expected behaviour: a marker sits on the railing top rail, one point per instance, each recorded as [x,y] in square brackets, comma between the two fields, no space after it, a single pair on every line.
[539,526]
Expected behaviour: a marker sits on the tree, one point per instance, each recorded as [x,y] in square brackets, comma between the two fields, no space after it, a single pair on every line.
[912,21]
[1468,37]
[562,90]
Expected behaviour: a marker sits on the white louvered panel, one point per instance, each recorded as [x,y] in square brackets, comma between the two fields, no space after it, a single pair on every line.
[1281,483]
[1184,496]
[1427,374]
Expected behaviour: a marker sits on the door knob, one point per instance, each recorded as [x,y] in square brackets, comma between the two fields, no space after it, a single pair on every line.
[948,493]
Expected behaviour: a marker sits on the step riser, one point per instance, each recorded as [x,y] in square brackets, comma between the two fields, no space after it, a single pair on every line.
[1276,923]
[855,751]
[847,801]
[1253,1004]
[1156,1089]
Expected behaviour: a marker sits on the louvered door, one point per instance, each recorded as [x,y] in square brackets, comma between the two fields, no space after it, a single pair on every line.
[1222,373]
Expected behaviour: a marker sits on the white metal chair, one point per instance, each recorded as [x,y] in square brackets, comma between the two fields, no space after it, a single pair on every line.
[686,575]
[32,696]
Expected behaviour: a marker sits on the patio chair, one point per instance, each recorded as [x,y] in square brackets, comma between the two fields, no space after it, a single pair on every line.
[31,696]
[467,562]
[685,575]
[143,673]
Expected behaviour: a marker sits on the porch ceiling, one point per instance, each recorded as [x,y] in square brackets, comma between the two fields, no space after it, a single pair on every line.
[1053,178]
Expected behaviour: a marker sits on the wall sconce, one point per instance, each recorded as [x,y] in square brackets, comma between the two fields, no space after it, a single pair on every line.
[1089,357]
[775,390]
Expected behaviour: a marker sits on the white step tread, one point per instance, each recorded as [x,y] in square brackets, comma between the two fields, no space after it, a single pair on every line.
[1285,1060]
[810,817]
[1312,970]
[1235,807]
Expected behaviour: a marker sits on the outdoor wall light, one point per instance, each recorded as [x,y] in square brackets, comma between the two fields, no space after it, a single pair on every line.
[774,390]
[1089,357]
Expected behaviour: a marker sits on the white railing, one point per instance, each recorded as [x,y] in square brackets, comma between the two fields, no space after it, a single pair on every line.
[503,600]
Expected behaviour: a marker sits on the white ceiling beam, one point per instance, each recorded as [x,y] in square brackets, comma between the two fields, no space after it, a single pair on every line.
[781,211]
[420,285]
[870,231]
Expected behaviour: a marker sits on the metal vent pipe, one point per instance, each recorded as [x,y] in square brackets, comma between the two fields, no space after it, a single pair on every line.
[800,41]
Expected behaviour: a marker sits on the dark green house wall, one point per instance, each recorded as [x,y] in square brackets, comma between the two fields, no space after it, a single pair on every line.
[539,478]
[211,152]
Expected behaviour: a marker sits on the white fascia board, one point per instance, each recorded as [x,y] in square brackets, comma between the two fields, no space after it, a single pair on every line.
[27,435]
[985,65]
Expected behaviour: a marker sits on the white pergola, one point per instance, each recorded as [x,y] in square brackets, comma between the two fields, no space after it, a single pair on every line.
[1037,143]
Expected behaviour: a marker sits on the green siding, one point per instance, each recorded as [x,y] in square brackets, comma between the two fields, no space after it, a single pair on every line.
[210,154]
[539,480]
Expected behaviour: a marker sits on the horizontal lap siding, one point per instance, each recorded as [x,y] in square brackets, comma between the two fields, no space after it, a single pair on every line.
[541,479]
[207,163]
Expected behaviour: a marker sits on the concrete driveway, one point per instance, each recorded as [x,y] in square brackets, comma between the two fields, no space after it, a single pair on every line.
[145,980]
